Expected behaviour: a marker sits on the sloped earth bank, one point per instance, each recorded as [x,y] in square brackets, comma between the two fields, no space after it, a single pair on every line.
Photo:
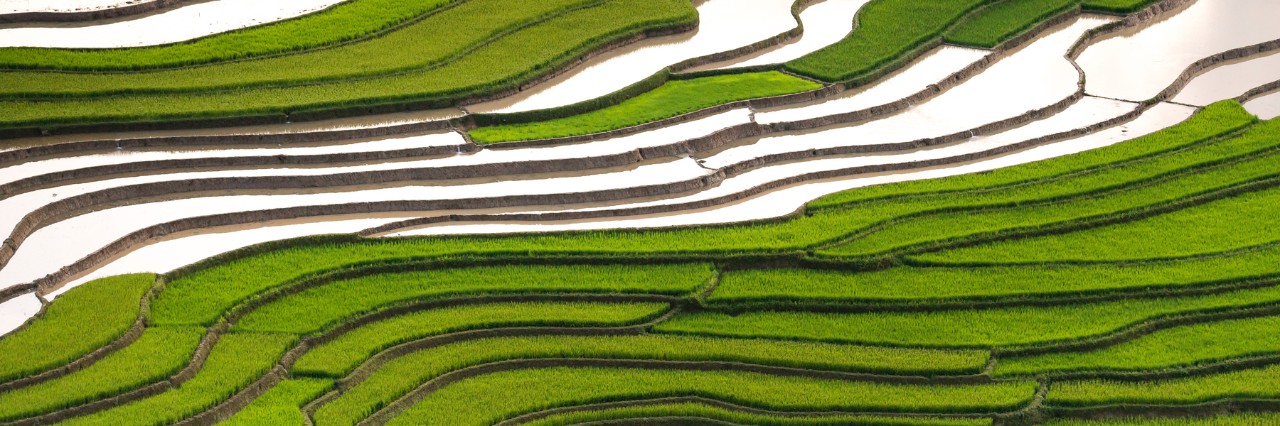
[786,200]
[1137,65]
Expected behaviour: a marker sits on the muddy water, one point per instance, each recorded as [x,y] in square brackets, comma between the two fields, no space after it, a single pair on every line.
[929,69]
[1034,77]
[1265,107]
[1138,65]
[350,123]
[180,24]
[724,25]
[787,200]
[1231,80]
[824,24]
[16,311]
[67,241]
[21,6]
[124,156]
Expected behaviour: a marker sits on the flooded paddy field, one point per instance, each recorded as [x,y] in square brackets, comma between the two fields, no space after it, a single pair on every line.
[1067,228]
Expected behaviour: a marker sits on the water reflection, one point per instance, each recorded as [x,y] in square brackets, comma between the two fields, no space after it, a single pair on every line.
[1140,65]
[180,24]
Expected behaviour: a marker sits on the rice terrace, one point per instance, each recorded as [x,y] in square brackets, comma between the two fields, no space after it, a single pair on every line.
[626,212]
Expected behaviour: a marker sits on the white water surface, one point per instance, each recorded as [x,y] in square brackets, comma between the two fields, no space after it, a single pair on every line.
[1138,64]
[1231,80]
[788,200]
[824,23]
[1265,107]
[723,25]
[67,241]
[15,311]
[171,26]
[1034,77]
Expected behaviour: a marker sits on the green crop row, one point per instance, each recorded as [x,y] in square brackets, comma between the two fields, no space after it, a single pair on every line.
[1207,228]
[503,64]
[1239,419]
[431,42]
[988,327]
[1253,383]
[669,100]
[237,360]
[314,308]
[338,357]
[888,30]
[721,414]
[343,22]
[85,318]
[282,405]
[931,228]
[1004,20]
[203,295]
[492,398]
[1175,347]
[403,374]
[159,353]
[931,284]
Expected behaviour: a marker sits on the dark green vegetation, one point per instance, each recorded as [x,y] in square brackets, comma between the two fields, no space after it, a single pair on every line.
[487,399]
[343,22]
[491,64]
[716,413]
[671,99]
[1004,20]
[1077,295]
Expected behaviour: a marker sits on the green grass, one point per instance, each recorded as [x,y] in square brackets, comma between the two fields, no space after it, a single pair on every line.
[314,308]
[504,63]
[343,22]
[237,360]
[1004,20]
[992,327]
[282,405]
[338,357]
[433,41]
[491,398]
[83,319]
[1208,228]
[671,99]
[158,354]
[1175,347]
[1254,383]
[887,31]
[702,411]
[403,374]
[931,284]
[1240,419]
